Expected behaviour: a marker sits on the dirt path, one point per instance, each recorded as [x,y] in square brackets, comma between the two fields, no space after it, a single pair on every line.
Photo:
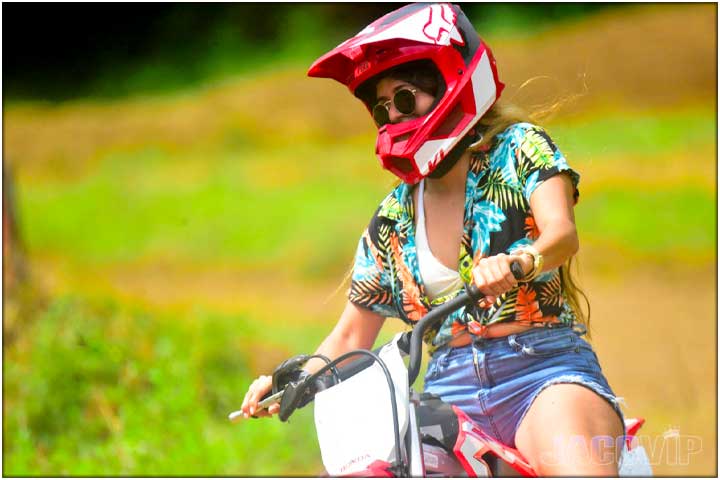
[267,296]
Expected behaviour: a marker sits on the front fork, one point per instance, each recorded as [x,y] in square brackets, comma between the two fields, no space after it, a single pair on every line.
[414,442]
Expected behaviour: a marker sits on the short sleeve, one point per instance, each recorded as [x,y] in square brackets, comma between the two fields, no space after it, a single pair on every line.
[370,285]
[539,159]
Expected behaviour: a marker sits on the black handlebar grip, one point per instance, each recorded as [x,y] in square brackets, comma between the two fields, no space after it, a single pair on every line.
[517,270]
[473,291]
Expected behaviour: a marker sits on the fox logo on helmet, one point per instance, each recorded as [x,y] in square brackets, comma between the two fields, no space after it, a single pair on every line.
[441,24]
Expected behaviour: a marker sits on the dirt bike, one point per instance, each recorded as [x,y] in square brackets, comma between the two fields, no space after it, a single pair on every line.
[433,438]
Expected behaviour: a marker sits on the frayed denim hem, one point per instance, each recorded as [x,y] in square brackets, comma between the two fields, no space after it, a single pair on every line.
[614,401]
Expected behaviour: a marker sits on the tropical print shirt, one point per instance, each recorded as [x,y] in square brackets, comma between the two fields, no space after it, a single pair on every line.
[386,277]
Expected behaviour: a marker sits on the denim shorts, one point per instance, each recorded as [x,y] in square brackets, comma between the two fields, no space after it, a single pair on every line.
[495,380]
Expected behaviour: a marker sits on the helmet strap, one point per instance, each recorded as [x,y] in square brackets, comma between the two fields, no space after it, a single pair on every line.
[452,158]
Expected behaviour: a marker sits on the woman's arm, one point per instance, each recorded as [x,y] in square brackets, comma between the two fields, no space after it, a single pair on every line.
[552,206]
[357,328]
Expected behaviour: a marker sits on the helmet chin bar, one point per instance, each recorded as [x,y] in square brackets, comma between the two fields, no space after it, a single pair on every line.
[393,143]
[416,157]
[452,158]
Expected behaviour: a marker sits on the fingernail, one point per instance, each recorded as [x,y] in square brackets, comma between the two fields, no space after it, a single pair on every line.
[245,415]
[252,410]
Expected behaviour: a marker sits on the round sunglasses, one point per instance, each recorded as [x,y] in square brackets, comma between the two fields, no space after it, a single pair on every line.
[404,101]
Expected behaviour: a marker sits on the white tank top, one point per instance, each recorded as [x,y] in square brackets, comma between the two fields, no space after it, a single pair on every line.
[439,280]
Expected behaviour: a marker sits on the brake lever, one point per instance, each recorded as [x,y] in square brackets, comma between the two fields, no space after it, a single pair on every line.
[237,415]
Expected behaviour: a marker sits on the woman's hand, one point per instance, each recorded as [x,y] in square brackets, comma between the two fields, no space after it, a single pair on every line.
[493,277]
[261,386]
[357,328]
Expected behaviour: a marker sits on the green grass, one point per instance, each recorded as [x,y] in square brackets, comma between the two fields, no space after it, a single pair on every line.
[631,133]
[104,391]
[672,225]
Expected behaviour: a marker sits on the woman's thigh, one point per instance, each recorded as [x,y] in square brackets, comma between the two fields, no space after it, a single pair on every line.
[496,380]
[571,430]
[532,364]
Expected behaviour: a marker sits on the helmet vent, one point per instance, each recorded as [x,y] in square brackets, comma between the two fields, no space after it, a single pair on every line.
[402,164]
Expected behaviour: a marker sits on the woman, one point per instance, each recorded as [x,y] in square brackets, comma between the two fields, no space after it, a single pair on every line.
[479,190]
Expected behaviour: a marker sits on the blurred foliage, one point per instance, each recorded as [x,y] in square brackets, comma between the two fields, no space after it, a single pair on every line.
[151,49]
[649,230]
[97,389]
[645,133]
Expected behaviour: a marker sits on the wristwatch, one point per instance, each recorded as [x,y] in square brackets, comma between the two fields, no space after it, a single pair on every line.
[537,261]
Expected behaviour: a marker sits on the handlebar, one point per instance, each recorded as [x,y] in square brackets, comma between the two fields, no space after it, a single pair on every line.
[410,342]
[470,295]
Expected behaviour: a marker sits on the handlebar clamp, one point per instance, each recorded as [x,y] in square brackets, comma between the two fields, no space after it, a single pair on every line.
[296,395]
[288,371]
[291,379]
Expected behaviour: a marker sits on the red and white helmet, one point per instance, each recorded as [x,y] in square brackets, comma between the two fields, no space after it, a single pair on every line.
[442,34]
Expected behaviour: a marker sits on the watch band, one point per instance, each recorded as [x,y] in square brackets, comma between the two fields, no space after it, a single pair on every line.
[538,261]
